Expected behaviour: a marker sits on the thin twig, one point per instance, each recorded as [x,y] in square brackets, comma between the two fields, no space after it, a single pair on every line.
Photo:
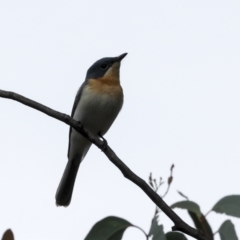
[180,225]
[168,187]
[207,213]
[170,179]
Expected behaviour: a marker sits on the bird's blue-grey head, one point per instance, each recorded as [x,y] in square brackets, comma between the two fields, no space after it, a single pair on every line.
[105,66]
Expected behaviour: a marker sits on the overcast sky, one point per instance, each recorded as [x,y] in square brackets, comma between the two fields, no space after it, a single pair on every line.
[181,82]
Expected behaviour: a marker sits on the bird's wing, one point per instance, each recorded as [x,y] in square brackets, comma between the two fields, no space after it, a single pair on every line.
[76,101]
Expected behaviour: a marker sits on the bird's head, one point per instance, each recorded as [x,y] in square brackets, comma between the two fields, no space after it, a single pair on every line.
[105,68]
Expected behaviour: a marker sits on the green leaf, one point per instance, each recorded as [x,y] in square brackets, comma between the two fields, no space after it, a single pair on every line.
[156,230]
[196,215]
[188,205]
[8,235]
[229,205]
[175,236]
[202,224]
[227,231]
[183,195]
[117,235]
[109,228]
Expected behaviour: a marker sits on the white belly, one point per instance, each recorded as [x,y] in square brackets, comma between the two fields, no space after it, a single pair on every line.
[97,111]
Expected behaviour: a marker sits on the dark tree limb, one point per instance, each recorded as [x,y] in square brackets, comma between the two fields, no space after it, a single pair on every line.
[180,225]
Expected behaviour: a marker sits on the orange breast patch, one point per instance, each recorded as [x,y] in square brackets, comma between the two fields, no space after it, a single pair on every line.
[106,85]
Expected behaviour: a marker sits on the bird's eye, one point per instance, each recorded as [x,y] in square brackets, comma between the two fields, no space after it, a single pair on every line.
[104,66]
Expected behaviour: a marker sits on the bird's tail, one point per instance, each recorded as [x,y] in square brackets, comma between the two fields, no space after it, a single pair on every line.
[65,188]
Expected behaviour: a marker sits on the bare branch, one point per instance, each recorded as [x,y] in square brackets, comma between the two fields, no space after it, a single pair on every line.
[180,225]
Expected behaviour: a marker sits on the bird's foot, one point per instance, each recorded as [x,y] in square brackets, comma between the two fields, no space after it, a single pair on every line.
[105,143]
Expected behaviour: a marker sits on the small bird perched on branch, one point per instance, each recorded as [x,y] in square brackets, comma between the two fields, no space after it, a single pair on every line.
[96,106]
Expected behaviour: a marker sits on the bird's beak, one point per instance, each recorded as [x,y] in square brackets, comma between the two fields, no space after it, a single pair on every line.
[120,58]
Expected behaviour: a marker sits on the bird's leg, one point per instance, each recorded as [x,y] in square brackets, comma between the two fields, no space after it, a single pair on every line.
[105,143]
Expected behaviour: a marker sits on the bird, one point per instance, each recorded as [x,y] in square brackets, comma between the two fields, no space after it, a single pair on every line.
[97,104]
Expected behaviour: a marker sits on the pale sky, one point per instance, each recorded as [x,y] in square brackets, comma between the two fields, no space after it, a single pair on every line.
[181,82]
